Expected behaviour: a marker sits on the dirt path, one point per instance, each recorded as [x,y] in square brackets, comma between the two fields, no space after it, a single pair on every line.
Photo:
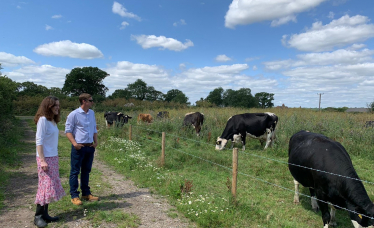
[20,195]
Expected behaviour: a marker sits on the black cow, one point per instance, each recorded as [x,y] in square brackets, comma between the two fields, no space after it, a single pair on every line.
[118,117]
[163,114]
[196,119]
[256,125]
[321,154]
[369,124]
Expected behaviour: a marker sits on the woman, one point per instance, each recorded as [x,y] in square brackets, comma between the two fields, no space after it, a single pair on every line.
[49,187]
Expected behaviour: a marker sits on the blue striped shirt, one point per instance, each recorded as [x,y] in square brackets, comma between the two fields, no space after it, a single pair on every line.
[82,125]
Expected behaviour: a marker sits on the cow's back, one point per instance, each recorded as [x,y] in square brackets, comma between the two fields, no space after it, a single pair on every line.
[319,153]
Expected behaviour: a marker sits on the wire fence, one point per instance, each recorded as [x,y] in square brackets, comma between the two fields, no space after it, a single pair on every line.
[244,174]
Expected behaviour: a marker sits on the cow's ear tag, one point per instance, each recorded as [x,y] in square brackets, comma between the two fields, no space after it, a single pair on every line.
[360,216]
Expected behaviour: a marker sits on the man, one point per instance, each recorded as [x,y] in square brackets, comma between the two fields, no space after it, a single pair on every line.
[80,129]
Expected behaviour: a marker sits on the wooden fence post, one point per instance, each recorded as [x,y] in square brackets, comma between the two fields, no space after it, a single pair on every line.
[234,171]
[163,149]
[130,132]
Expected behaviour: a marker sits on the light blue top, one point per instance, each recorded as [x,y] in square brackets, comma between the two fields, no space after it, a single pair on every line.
[82,125]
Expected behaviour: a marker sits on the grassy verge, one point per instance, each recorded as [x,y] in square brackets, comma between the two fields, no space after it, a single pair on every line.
[196,178]
[9,150]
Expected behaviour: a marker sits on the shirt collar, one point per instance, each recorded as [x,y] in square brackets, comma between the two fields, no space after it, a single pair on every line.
[82,111]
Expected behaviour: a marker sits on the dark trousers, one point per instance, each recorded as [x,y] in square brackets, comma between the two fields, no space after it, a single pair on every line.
[81,161]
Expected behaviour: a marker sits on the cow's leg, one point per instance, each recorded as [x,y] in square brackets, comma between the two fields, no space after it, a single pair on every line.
[296,198]
[332,214]
[268,138]
[243,140]
[106,123]
[272,138]
[326,218]
[313,200]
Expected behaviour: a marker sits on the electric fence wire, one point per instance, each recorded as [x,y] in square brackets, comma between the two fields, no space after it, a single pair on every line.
[267,182]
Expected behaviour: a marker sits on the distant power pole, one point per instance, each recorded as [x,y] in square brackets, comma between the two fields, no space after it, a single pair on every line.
[319,106]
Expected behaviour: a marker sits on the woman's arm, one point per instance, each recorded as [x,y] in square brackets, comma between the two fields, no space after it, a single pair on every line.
[43,163]
[41,130]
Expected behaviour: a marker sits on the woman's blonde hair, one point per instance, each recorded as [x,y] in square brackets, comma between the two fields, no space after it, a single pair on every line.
[45,109]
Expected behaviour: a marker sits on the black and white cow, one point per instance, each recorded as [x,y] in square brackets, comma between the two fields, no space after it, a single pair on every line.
[118,117]
[344,189]
[196,119]
[256,125]
[369,124]
[163,114]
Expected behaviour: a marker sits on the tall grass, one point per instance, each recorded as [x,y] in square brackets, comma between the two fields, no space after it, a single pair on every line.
[10,136]
[196,178]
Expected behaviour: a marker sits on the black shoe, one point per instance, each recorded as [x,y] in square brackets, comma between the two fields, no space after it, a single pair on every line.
[39,222]
[46,216]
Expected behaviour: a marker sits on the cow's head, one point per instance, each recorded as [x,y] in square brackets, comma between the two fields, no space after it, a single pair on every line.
[220,143]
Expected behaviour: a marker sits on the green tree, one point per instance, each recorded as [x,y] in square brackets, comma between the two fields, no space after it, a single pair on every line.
[264,99]
[154,95]
[85,80]
[121,93]
[8,91]
[203,103]
[216,96]
[31,89]
[239,98]
[138,89]
[57,92]
[371,106]
[176,95]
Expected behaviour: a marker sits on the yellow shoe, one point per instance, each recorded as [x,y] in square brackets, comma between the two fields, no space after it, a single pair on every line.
[76,201]
[90,198]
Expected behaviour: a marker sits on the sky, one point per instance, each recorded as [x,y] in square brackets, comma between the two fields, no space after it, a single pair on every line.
[295,49]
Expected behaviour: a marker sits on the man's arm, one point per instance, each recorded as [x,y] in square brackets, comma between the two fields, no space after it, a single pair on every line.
[72,140]
[95,140]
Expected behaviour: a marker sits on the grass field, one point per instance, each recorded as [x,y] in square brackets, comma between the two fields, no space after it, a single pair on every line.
[197,178]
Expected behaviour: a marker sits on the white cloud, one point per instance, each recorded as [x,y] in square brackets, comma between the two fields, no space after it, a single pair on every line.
[198,82]
[151,41]
[117,8]
[124,24]
[48,27]
[242,12]
[181,22]
[283,20]
[9,60]
[338,57]
[124,72]
[56,16]
[254,67]
[66,48]
[222,58]
[45,75]
[341,32]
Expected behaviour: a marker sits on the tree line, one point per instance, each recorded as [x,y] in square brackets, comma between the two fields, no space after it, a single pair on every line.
[90,80]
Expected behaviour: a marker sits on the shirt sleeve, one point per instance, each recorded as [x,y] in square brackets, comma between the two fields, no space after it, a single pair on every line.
[69,125]
[95,127]
[41,130]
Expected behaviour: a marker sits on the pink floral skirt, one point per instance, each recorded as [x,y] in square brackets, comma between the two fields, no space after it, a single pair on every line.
[49,187]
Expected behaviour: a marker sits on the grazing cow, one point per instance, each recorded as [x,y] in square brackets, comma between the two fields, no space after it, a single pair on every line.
[163,114]
[196,119]
[330,177]
[369,124]
[259,126]
[145,118]
[119,118]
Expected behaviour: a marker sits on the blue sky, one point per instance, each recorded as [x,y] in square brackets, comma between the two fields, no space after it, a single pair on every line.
[295,49]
